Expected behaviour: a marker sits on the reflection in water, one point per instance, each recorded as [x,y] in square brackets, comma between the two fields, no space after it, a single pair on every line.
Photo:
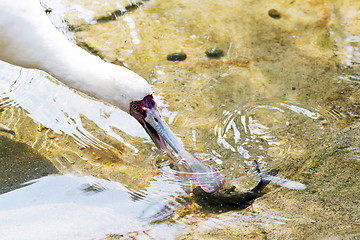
[287,183]
[53,105]
[78,134]
[68,207]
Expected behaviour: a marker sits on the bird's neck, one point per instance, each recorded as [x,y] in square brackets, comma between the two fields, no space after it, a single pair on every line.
[30,40]
[89,74]
[77,69]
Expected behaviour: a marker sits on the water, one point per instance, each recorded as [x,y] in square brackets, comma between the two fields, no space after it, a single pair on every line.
[94,208]
[285,94]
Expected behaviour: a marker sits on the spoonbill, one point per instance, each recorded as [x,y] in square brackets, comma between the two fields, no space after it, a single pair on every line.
[28,39]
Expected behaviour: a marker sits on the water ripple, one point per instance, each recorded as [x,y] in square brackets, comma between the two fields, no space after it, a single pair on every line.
[266,131]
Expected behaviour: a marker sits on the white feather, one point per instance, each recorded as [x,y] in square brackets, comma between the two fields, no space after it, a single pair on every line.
[28,39]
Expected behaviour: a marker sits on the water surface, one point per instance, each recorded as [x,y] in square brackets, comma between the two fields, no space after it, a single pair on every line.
[285,94]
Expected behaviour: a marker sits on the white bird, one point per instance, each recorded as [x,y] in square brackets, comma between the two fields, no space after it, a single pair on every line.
[28,39]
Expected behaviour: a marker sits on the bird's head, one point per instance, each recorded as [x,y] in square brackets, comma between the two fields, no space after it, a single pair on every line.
[146,113]
[131,93]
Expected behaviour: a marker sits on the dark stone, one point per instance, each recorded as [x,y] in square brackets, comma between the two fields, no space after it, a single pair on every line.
[178,56]
[48,10]
[274,14]
[214,53]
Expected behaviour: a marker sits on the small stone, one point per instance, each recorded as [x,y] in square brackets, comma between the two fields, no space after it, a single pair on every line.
[48,10]
[274,13]
[214,53]
[178,56]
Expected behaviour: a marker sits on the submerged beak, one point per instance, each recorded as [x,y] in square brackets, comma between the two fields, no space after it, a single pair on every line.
[209,178]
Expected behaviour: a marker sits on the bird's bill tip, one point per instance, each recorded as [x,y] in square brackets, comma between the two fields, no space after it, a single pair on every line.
[148,115]
[209,178]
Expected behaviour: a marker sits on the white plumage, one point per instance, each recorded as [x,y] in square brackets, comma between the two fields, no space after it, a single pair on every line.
[28,39]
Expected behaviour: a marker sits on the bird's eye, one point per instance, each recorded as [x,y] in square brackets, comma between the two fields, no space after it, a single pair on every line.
[134,106]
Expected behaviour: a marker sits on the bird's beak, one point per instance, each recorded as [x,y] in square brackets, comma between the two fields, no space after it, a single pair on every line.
[209,178]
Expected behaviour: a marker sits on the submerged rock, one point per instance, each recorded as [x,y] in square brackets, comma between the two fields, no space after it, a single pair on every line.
[214,53]
[274,14]
[178,56]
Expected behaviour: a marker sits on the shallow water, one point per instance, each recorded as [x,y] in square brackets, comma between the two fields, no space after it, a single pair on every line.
[285,93]
[93,208]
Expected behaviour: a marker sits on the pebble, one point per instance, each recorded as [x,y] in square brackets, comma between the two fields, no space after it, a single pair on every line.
[274,13]
[178,56]
[214,53]
[51,136]
[48,10]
